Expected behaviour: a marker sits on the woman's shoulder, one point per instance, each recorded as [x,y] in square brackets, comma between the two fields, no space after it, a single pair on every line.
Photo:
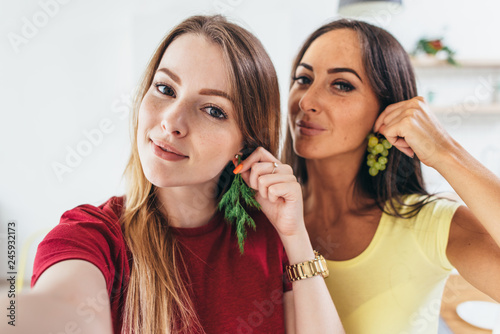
[86,232]
[111,207]
[109,211]
[419,205]
[87,229]
[430,226]
[103,218]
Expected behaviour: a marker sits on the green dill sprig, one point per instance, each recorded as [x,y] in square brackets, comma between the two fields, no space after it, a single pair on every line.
[234,212]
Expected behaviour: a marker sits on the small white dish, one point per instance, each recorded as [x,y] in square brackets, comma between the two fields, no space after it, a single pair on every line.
[485,315]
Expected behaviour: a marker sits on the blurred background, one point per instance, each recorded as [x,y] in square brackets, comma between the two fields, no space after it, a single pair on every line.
[68,70]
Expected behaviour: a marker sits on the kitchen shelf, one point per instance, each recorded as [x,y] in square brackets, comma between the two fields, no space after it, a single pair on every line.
[487,109]
[432,63]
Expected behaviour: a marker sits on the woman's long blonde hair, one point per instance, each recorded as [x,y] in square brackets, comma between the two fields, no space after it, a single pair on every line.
[158,300]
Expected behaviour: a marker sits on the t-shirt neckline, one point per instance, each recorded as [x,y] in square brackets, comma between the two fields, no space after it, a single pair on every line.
[212,224]
[375,240]
[368,250]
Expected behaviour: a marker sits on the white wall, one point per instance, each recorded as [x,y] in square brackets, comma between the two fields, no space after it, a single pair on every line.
[70,77]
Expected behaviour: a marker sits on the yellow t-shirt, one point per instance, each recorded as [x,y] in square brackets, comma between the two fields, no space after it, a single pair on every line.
[396,284]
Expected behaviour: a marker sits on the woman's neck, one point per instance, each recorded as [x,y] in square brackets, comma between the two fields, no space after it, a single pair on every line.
[187,207]
[330,192]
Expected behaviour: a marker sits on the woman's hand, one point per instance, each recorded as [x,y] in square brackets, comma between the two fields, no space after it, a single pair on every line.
[278,191]
[413,129]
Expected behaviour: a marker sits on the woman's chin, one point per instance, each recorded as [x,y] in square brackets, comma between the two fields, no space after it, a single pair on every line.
[307,152]
[158,179]
[307,155]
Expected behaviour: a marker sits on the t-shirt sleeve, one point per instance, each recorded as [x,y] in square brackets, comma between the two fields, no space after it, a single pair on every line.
[87,233]
[433,229]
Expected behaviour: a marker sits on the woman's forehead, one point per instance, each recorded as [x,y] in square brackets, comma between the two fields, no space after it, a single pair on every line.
[336,48]
[195,55]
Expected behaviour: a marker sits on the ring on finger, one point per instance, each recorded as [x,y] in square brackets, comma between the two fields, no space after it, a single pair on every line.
[275,166]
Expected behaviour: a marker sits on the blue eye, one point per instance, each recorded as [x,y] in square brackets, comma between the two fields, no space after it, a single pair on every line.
[165,89]
[215,112]
[302,80]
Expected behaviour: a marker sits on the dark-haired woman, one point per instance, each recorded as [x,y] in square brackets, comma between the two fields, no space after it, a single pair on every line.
[389,244]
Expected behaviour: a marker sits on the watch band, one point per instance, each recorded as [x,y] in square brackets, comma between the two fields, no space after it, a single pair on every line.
[308,269]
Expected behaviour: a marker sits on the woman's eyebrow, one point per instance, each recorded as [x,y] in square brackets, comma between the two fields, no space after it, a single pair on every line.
[343,69]
[333,70]
[171,74]
[204,91]
[215,92]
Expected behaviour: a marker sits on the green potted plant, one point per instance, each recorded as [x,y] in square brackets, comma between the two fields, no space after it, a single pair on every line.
[434,46]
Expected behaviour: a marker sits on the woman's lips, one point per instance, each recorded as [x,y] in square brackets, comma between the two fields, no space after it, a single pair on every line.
[166,152]
[309,128]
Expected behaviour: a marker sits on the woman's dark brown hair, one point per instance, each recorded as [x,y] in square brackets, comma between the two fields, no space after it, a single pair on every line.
[391,77]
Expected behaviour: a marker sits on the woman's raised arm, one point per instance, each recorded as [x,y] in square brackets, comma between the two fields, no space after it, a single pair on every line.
[474,241]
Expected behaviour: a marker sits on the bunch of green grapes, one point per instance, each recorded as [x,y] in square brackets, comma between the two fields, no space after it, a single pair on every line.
[377,146]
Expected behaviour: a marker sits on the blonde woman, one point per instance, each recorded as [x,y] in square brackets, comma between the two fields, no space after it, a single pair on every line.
[162,259]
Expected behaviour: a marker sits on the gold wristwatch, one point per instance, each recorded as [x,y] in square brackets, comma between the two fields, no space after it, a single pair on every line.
[308,269]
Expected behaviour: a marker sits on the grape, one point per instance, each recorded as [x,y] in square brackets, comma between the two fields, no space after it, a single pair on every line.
[378,150]
[386,144]
[372,141]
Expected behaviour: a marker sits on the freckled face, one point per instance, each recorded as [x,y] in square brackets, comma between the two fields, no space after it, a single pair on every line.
[332,106]
[188,112]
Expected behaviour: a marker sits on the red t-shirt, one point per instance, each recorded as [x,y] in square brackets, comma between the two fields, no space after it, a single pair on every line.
[232,293]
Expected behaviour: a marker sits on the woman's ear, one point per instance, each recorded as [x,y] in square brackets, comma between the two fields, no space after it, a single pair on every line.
[246,151]
[236,158]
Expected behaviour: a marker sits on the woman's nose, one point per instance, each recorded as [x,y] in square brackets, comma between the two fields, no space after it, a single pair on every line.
[309,102]
[174,120]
